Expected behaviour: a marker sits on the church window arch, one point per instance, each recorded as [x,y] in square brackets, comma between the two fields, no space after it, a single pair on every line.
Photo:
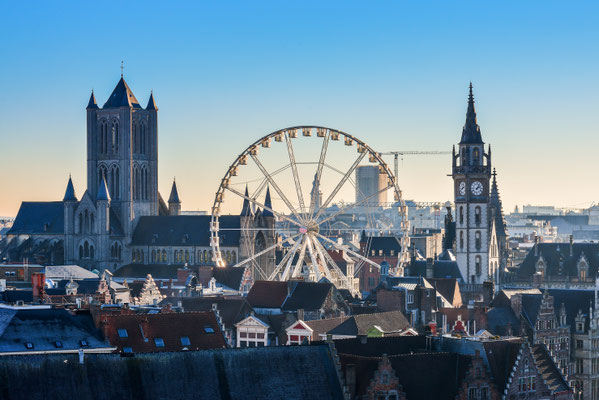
[86,249]
[461,240]
[234,257]
[79,227]
[477,240]
[461,215]
[477,215]
[164,256]
[92,222]
[115,137]
[476,156]
[91,252]
[153,256]
[478,265]
[177,256]
[209,256]
[205,258]
[86,221]
[135,143]
[114,186]
[143,138]
[186,256]
[144,182]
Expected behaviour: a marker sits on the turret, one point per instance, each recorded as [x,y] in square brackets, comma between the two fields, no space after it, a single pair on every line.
[174,204]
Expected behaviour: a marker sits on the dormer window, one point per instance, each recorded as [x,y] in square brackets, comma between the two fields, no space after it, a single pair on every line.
[29,345]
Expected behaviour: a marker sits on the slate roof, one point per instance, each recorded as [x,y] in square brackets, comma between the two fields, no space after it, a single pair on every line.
[548,370]
[69,194]
[92,102]
[498,320]
[231,309]
[68,271]
[122,96]
[389,322]
[12,296]
[307,295]
[151,103]
[501,356]
[421,375]
[267,294]
[201,328]
[174,197]
[376,347]
[44,328]
[185,230]
[140,271]
[284,373]
[384,243]
[448,288]
[441,269]
[41,218]
[530,307]
[558,261]
[230,277]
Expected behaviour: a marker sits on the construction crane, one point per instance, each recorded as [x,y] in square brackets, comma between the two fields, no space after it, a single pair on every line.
[396,155]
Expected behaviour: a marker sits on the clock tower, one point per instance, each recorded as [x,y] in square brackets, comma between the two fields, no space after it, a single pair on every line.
[471,173]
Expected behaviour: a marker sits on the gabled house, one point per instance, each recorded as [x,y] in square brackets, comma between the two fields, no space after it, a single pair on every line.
[252,332]
[392,323]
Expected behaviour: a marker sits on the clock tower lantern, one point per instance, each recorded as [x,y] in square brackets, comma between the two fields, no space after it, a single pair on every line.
[471,173]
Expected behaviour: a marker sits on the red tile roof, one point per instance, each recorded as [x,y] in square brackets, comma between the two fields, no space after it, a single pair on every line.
[144,331]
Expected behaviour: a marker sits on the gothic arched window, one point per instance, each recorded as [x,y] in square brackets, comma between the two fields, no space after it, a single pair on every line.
[234,257]
[163,256]
[143,138]
[153,256]
[477,215]
[79,228]
[114,182]
[86,249]
[476,157]
[461,240]
[115,137]
[461,215]
[477,240]
[478,265]
[144,183]
[135,138]
[91,252]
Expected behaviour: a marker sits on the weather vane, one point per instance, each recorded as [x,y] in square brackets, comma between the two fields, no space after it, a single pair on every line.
[122,68]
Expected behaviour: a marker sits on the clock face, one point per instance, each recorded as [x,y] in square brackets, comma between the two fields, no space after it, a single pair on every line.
[462,188]
[477,188]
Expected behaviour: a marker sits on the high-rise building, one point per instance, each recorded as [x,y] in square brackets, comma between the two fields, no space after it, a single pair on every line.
[369,186]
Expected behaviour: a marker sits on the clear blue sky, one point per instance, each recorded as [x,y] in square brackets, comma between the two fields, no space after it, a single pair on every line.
[225,73]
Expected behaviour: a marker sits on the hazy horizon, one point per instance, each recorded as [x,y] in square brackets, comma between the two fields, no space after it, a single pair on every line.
[395,76]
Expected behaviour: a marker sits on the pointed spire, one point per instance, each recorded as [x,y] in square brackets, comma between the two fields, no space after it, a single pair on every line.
[122,96]
[152,103]
[69,194]
[92,105]
[245,209]
[267,203]
[174,197]
[103,191]
[471,132]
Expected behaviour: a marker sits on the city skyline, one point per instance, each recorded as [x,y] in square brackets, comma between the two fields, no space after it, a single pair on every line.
[385,82]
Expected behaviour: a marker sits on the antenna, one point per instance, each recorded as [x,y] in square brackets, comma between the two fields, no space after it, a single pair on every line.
[122,68]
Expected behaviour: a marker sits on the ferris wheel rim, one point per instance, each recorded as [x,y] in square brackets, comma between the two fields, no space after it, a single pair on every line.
[264,141]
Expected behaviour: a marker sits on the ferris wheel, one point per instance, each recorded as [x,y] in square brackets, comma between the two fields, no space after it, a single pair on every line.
[291,185]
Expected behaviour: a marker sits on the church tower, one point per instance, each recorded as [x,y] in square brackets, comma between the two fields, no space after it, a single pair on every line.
[471,173]
[122,148]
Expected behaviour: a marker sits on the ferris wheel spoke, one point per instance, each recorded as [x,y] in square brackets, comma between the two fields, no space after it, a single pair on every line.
[300,260]
[320,248]
[298,185]
[353,205]
[266,250]
[276,187]
[286,261]
[278,214]
[311,252]
[264,181]
[346,249]
[324,259]
[316,186]
[340,185]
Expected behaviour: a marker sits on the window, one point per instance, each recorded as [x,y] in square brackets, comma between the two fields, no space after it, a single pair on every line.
[29,345]
[461,240]
[477,215]
[159,342]
[461,215]
[127,350]
[58,344]
[208,329]
[484,393]
[478,265]
[123,333]
[185,341]
[472,393]
[410,298]
[579,344]
[477,240]
[370,281]
[83,343]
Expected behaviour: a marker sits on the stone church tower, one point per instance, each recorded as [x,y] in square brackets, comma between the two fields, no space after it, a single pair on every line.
[122,147]
[122,181]
[476,239]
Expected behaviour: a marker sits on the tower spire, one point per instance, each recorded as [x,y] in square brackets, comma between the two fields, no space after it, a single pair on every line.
[267,203]
[471,131]
[103,190]
[245,209]
[69,194]
[91,104]
[174,197]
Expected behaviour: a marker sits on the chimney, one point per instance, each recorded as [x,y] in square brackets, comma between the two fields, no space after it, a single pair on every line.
[536,246]
[300,314]
[429,268]
[571,245]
